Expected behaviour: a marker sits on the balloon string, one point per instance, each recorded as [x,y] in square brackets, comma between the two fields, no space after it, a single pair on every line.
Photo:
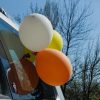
[26,56]
[34,53]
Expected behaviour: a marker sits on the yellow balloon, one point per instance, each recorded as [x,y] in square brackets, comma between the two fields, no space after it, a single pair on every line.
[32,56]
[57,41]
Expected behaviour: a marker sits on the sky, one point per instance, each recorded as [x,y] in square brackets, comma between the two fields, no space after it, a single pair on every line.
[15,7]
[96,14]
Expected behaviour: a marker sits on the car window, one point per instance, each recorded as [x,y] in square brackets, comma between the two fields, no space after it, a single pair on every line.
[11,53]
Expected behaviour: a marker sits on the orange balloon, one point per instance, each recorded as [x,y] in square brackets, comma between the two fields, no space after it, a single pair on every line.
[30,70]
[53,67]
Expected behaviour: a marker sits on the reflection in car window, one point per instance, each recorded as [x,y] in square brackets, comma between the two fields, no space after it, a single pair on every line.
[14,52]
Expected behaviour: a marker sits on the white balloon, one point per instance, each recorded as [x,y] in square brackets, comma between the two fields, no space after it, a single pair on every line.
[36,32]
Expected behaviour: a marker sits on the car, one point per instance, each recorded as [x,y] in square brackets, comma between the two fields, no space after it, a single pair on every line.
[9,39]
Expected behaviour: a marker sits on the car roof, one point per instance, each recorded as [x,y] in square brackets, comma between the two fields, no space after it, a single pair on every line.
[9,21]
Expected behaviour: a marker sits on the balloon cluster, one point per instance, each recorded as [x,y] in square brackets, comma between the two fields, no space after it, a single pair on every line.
[44,46]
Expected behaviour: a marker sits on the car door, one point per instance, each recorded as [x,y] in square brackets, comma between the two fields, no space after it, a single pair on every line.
[9,41]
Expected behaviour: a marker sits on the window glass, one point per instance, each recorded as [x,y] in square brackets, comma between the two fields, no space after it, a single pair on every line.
[11,57]
[11,53]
